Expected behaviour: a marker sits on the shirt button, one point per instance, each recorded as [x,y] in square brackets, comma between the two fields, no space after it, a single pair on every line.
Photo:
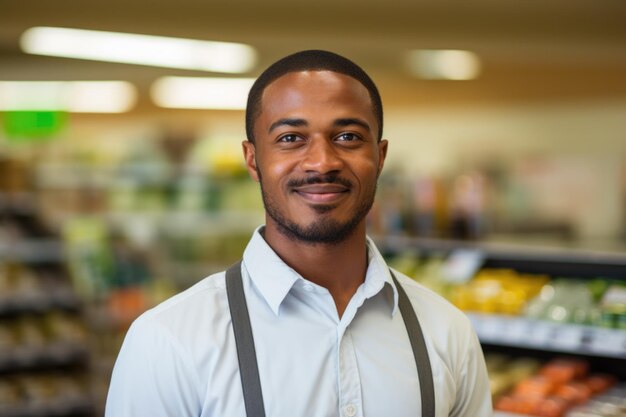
[350,410]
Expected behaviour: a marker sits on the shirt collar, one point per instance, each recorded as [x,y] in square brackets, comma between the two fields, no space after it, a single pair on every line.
[274,278]
[378,277]
[269,274]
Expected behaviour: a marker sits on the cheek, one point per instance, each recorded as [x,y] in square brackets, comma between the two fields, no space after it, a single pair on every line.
[277,170]
[367,172]
[273,171]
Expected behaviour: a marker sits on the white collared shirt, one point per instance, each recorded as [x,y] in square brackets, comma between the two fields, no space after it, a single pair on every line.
[179,358]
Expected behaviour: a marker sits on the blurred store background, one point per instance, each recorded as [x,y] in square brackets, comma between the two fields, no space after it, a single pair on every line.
[122,181]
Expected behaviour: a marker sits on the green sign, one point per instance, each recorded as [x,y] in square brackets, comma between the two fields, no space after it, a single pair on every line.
[22,126]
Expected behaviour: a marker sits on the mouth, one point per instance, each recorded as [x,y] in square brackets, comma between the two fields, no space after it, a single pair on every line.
[322,193]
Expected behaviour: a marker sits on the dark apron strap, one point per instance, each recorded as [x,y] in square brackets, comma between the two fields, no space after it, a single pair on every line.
[248,368]
[424,372]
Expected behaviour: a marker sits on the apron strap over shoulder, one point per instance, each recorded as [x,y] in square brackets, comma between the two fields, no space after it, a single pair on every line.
[416,336]
[248,367]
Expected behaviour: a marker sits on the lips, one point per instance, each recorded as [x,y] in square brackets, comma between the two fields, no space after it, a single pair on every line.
[322,193]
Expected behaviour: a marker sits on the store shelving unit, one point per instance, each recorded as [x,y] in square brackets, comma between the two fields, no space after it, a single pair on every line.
[44,352]
[547,336]
[604,347]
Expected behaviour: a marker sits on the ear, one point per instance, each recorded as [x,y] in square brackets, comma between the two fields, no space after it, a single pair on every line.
[249,155]
[382,154]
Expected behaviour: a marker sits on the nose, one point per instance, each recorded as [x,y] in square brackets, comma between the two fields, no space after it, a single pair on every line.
[322,157]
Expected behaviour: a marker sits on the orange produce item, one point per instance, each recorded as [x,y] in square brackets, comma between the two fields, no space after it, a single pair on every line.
[564,370]
[517,404]
[507,403]
[599,383]
[551,407]
[537,386]
[574,392]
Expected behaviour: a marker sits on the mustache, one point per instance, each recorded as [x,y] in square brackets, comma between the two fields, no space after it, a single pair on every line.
[320,179]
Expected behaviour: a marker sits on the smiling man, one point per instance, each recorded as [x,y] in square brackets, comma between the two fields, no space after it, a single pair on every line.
[312,322]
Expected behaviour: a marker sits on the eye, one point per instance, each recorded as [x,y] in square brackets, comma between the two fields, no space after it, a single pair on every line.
[289,138]
[347,137]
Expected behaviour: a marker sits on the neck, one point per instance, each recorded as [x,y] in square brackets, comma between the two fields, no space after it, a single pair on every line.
[339,267]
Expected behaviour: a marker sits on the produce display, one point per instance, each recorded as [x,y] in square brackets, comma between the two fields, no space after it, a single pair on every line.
[562,387]
[597,302]
[541,314]
[44,394]
[45,346]
[498,291]
[93,233]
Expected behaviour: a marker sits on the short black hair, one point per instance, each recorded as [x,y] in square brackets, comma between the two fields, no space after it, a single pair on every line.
[311,60]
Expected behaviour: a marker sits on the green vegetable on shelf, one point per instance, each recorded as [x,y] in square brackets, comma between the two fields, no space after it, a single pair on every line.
[613,307]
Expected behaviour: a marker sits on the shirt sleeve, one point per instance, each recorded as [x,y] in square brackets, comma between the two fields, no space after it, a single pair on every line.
[152,376]
[473,390]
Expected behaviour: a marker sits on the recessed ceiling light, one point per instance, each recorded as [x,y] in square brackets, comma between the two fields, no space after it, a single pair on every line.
[444,64]
[201,93]
[131,48]
[70,96]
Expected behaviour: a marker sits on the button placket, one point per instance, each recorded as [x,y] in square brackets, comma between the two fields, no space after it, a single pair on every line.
[350,401]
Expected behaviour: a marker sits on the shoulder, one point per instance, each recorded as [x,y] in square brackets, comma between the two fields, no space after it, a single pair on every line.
[200,306]
[447,328]
[159,366]
[453,347]
[430,303]
[169,350]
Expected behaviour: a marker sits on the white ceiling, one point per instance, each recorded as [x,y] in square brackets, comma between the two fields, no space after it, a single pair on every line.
[530,48]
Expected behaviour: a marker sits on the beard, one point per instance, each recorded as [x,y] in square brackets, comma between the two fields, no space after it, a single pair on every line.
[324,230]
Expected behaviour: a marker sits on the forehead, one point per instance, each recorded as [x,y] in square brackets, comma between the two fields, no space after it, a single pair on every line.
[315,90]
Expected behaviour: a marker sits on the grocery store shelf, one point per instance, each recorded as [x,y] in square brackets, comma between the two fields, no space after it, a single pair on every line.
[18,202]
[556,262]
[39,301]
[32,251]
[78,406]
[51,355]
[549,336]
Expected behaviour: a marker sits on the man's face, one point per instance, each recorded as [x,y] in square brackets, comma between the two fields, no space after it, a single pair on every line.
[316,155]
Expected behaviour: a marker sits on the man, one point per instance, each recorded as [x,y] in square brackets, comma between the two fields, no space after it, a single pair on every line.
[329,337]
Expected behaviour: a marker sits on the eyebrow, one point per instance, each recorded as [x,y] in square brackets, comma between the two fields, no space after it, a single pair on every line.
[301,122]
[352,121]
[288,122]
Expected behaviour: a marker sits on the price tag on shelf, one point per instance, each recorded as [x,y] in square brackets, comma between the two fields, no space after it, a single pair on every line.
[568,337]
[610,342]
[462,265]
[541,334]
[517,330]
[491,329]
[574,338]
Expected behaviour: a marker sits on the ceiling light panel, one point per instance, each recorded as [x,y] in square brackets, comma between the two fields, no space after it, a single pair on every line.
[131,48]
[70,96]
[201,93]
[444,64]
